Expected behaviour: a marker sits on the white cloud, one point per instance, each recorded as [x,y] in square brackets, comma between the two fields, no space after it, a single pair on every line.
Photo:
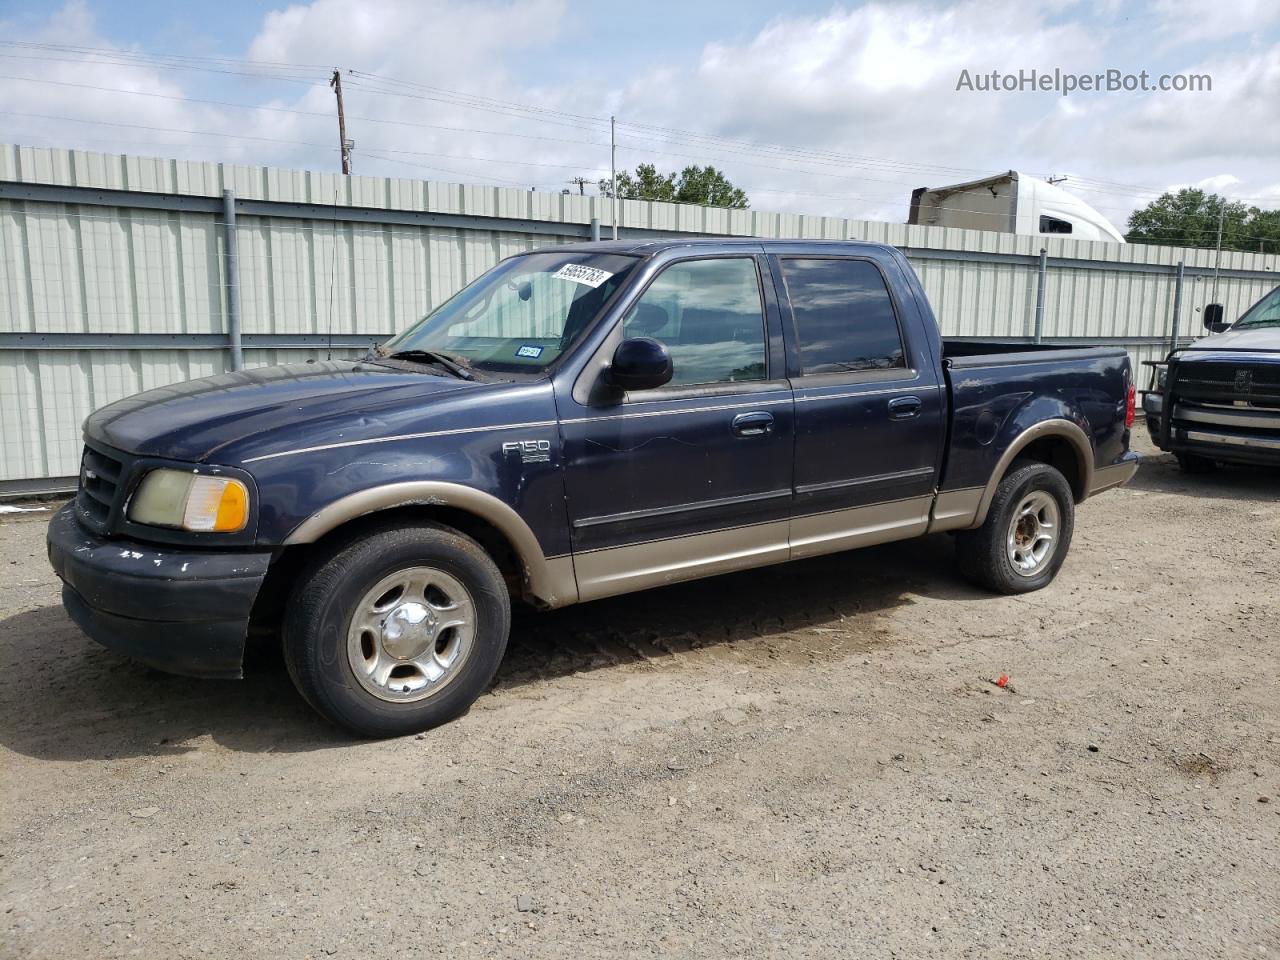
[1200,22]
[87,90]
[1218,183]
[420,42]
[875,82]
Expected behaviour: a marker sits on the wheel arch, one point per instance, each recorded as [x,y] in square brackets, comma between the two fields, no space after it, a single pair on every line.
[1060,443]
[547,581]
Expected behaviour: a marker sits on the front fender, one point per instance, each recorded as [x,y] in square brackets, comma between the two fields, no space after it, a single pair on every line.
[551,580]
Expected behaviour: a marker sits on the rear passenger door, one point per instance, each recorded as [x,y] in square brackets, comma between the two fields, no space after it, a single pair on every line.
[868,405]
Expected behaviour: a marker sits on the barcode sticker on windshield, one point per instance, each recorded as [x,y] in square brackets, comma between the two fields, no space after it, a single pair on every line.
[576,272]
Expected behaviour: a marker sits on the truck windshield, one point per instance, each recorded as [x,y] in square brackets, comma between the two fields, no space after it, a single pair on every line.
[522,314]
[1264,313]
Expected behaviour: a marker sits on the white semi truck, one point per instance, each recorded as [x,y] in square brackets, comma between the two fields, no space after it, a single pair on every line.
[1011,202]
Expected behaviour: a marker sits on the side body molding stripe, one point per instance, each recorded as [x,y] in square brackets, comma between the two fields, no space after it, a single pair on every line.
[550,579]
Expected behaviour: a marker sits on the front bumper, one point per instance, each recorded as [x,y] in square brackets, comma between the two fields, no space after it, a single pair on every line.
[1236,435]
[176,609]
[1153,407]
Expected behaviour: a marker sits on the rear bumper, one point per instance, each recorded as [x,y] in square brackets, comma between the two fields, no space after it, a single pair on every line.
[178,610]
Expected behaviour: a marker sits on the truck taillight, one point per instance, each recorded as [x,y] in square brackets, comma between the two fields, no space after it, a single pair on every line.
[1130,406]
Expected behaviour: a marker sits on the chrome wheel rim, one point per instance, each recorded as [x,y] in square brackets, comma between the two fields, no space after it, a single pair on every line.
[1033,533]
[411,633]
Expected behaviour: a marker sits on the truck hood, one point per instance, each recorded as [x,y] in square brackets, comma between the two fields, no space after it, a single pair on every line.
[1256,339]
[194,420]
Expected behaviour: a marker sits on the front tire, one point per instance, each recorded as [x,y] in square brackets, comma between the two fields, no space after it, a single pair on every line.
[397,631]
[1025,538]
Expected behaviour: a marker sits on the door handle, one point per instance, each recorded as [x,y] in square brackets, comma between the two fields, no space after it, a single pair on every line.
[758,424]
[904,408]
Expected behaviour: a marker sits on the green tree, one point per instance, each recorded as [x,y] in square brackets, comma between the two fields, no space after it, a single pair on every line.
[705,186]
[1265,229]
[1190,218]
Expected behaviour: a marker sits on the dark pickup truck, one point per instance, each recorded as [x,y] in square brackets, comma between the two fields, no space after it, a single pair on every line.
[580,421]
[1222,393]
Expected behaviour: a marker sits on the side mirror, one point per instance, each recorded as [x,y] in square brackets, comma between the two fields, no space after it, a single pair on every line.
[640,363]
[1213,318]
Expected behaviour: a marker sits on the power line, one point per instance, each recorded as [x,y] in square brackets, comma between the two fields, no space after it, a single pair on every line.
[579,121]
[316,114]
[519,111]
[380,84]
[576,120]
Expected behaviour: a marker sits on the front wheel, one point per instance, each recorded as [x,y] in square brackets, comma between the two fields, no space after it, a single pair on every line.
[1024,540]
[397,631]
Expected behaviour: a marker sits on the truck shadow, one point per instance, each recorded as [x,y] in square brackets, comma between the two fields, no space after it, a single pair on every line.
[66,698]
[804,610]
[1160,473]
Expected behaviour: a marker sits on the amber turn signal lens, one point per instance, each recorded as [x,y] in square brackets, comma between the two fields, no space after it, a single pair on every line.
[191,501]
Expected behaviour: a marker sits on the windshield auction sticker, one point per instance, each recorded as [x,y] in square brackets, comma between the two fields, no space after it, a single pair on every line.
[576,272]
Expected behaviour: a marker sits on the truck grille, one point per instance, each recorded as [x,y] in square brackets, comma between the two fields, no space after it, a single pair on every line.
[1231,384]
[100,477]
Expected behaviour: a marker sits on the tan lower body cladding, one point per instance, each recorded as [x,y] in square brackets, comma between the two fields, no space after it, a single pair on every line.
[615,570]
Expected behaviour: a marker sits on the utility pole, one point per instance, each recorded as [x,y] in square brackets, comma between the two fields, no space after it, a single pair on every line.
[1217,260]
[344,144]
[613,175]
[1056,180]
[582,184]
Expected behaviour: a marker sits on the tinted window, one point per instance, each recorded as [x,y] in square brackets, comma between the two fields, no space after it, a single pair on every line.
[708,314]
[844,317]
[1053,225]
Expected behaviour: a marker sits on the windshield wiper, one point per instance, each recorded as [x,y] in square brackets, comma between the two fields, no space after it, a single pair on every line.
[432,356]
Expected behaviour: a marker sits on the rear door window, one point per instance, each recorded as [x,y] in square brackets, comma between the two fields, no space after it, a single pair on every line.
[844,317]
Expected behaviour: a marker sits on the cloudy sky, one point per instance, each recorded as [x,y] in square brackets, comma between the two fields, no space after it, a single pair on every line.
[811,107]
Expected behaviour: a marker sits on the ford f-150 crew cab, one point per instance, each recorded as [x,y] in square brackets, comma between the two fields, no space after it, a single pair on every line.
[1222,392]
[580,421]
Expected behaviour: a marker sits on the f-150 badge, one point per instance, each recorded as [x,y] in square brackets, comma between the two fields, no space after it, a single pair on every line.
[530,451]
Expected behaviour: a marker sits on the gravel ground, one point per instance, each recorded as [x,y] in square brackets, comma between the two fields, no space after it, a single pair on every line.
[809,761]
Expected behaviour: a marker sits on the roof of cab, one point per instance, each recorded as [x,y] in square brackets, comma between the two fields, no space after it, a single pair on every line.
[651,246]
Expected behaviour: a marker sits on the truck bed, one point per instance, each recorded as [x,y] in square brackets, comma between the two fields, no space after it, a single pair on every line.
[999,388]
[962,352]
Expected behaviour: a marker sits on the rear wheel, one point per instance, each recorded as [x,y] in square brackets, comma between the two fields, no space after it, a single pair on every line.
[1194,463]
[1025,538]
[397,631]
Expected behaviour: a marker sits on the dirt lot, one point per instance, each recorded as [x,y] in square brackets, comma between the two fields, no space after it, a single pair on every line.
[806,761]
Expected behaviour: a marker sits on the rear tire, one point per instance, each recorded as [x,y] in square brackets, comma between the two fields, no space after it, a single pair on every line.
[397,631]
[1025,538]
[1194,463]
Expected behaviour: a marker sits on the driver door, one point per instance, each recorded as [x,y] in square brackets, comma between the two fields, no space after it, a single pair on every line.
[694,477]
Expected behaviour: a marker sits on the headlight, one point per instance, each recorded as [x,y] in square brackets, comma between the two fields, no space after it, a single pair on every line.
[190,501]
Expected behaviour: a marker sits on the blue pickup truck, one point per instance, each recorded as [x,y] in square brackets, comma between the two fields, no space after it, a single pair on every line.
[579,422]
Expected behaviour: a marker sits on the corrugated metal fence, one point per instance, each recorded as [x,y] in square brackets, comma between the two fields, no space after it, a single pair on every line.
[114,269]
